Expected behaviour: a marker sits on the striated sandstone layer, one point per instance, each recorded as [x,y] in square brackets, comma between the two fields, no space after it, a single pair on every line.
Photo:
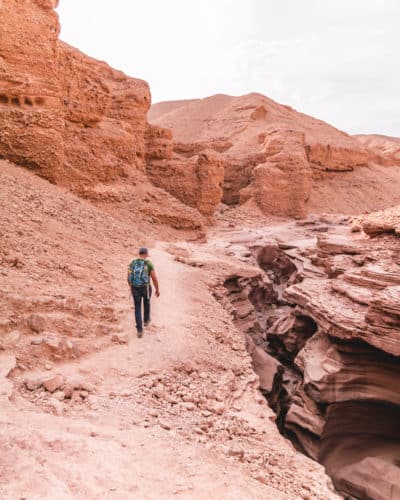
[340,173]
[385,221]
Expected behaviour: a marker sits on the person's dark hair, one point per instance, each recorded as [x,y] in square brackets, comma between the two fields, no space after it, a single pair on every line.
[143,251]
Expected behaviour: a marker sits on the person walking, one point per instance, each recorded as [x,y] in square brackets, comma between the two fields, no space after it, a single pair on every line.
[140,271]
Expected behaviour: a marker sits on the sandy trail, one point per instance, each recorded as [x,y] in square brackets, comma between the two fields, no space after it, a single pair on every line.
[128,441]
[91,454]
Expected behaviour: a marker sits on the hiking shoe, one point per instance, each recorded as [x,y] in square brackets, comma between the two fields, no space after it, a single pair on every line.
[147,323]
[140,333]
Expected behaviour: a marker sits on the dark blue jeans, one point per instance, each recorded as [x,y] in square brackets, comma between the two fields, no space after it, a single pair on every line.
[142,294]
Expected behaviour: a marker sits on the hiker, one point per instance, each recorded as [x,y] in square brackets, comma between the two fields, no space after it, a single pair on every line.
[140,271]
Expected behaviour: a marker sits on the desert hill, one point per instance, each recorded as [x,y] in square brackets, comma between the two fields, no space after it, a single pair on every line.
[288,162]
[389,147]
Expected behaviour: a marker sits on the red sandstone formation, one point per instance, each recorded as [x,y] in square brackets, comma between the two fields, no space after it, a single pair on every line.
[196,181]
[386,221]
[31,121]
[324,169]
[281,185]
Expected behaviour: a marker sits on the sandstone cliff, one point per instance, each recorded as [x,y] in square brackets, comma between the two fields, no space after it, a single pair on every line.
[322,172]
[79,123]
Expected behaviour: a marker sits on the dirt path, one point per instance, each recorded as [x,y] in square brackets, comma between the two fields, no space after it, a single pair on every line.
[174,414]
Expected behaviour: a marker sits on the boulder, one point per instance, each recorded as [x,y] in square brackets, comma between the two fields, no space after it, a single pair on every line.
[53,383]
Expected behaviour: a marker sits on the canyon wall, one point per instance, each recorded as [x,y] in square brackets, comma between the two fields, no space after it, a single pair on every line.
[105,121]
[74,120]
[83,125]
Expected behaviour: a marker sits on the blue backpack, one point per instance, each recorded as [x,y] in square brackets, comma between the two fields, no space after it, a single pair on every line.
[138,273]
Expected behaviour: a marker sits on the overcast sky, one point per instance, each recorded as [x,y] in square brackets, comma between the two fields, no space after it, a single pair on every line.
[335,59]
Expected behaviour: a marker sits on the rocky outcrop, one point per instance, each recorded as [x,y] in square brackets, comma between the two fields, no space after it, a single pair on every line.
[350,368]
[73,119]
[31,116]
[196,181]
[281,185]
[105,122]
[385,221]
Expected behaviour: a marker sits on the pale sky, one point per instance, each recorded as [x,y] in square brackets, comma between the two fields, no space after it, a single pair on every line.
[337,60]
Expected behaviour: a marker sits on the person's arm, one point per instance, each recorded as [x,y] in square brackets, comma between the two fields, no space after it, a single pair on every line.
[155,282]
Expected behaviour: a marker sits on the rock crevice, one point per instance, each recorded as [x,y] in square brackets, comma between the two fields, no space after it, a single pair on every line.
[325,346]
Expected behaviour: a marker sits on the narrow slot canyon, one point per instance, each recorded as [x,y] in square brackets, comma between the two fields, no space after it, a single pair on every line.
[335,396]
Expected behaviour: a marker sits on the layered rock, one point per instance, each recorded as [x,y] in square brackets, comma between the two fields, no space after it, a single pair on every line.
[351,369]
[385,221]
[196,181]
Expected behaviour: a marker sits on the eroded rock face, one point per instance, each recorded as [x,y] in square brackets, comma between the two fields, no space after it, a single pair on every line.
[385,221]
[327,353]
[360,448]
[83,125]
[105,121]
[75,120]
[31,116]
